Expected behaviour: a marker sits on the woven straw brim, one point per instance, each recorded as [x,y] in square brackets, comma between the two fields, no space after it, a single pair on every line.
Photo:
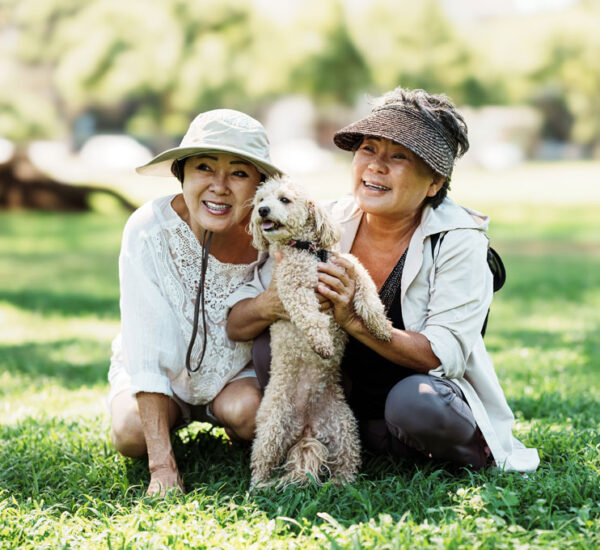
[403,127]
[161,164]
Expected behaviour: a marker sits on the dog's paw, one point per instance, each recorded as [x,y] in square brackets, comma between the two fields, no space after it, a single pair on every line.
[381,328]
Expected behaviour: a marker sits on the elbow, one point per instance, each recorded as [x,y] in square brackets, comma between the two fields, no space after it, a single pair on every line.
[450,360]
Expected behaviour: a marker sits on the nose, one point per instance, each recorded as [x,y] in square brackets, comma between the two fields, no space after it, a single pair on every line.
[377,164]
[219,183]
[264,211]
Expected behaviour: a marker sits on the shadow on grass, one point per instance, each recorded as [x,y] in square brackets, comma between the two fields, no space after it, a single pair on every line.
[62,360]
[63,303]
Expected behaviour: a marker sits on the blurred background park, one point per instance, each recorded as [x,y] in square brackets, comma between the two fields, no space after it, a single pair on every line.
[89,89]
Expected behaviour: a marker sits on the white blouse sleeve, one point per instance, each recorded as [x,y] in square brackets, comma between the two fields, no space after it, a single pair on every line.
[459,300]
[152,339]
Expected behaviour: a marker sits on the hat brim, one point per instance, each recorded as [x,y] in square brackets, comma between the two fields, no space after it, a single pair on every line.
[161,164]
[402,128]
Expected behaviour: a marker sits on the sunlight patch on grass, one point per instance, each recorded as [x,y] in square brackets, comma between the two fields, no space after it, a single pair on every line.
[20,325]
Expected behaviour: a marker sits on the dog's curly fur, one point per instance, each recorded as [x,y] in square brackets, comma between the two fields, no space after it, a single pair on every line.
[304,425]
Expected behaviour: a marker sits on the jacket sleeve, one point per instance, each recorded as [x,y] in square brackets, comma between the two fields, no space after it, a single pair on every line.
[459,298]
[151,338]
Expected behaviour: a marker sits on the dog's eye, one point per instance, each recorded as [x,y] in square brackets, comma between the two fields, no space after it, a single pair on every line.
[284,200]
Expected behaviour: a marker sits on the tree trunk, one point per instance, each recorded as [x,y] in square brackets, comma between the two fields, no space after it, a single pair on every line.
[23,186]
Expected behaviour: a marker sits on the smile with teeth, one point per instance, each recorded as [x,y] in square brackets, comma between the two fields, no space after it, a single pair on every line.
[217,206]
[375,186]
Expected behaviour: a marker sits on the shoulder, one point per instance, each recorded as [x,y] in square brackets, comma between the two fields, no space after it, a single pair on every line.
[148,218]
[450,216]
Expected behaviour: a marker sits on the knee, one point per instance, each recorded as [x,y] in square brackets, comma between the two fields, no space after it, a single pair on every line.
[238,412]
[127,434]
[413,409]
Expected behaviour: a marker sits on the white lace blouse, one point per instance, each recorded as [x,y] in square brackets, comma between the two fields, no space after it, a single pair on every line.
[159,269]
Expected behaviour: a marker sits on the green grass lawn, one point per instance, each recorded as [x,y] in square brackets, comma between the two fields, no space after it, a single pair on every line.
[63,486]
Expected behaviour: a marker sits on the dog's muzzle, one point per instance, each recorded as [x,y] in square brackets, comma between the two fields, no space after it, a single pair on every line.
[267,224]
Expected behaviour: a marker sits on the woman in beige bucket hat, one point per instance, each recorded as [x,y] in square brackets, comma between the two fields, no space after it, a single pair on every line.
[181,257]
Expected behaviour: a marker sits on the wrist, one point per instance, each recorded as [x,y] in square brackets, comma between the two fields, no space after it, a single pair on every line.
[266,311]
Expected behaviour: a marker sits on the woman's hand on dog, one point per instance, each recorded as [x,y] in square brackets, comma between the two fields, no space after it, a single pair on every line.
[337,286]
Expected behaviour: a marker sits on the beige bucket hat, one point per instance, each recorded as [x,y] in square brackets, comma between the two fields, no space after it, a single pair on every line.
[218,131]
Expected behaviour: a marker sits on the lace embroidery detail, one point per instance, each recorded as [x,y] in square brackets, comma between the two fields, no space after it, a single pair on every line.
[178,261]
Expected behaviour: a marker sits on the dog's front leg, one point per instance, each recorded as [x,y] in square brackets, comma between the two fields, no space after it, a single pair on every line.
[296,290]
[367,303]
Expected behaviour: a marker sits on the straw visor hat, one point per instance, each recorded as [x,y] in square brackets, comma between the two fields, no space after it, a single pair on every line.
[408,126]
[218,131]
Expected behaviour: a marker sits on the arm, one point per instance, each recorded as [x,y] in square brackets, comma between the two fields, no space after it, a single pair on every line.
[410,349]
[456,308]
[251,316]
[156,425]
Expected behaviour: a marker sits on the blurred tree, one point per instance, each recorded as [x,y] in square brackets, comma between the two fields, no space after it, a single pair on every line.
[570,73]
[333,70]
[414,45]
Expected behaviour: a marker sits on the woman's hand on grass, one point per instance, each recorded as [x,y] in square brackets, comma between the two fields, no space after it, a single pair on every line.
[164,479]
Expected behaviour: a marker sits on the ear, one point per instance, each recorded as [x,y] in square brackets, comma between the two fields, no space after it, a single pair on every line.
[436,184]
[258,240]
[328,232]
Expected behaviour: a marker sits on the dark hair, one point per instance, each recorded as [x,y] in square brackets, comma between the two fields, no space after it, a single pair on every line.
[441,113]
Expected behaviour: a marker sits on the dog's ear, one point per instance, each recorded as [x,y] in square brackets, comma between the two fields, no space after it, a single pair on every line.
[327,232]
[258,240]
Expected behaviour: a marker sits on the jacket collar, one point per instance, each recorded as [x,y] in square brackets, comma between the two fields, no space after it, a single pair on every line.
[447,216]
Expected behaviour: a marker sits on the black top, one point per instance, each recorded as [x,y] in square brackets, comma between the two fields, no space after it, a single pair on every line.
[371,375]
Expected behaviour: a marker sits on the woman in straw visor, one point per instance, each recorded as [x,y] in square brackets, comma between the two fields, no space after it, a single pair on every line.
[432,391]
[181,257]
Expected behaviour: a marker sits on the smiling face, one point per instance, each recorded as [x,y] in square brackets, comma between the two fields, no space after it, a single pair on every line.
[389,180]
[218,190]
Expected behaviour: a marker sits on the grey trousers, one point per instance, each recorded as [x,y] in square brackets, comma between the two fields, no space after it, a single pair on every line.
[424,416]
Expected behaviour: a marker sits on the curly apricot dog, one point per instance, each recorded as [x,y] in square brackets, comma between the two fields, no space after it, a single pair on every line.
[304,426]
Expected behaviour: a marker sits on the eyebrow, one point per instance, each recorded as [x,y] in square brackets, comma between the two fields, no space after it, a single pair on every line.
[211,157]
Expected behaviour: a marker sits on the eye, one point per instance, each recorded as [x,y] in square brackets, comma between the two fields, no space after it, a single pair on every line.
[368,148]
[400,156]
[240,174]
[284,200]
[204,167]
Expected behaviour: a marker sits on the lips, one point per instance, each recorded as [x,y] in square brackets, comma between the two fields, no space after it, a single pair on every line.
[375,186]
[217,208]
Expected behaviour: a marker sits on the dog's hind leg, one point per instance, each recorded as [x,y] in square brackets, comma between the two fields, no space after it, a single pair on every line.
[275,431]
[338,428]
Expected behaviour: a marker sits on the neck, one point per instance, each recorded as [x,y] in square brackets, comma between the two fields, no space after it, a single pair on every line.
[389,233]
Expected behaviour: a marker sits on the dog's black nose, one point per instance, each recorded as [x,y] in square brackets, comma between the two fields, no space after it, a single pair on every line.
[264,211]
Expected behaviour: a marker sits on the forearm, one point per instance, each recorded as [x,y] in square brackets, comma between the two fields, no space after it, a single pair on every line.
[409,349]
[249,318]
[154,415]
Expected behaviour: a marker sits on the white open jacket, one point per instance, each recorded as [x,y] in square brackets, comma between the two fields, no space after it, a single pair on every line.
[445,296]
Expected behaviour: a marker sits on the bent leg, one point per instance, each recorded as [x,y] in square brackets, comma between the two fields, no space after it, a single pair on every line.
[126,431]
[236,406]
[430,414]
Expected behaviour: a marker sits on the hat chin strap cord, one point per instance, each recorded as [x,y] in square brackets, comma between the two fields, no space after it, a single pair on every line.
[206,236]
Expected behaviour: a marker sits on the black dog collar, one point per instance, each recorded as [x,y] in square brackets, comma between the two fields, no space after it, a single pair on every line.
[311,247]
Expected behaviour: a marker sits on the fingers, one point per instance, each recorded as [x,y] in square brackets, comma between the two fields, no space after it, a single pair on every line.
[161,485]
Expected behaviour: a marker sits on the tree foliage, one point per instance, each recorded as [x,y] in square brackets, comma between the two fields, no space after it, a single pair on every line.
[149,66]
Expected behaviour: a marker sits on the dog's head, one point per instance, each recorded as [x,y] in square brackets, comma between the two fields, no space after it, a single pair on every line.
[282,211]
